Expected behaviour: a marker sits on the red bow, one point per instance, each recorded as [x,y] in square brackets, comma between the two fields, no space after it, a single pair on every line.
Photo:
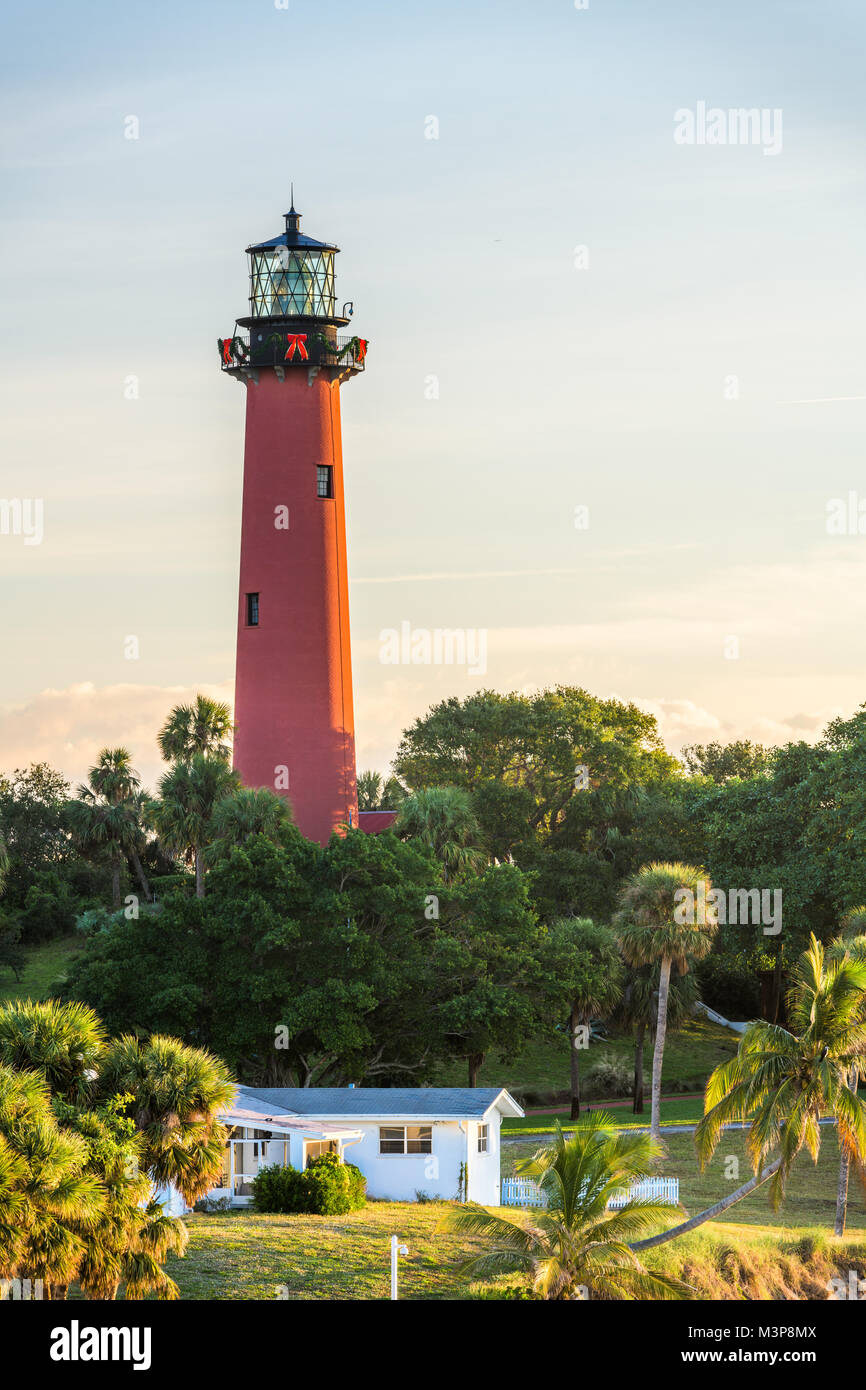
[299,341]
[362,349]
[226,345]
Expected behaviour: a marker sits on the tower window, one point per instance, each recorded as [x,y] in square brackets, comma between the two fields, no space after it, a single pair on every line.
[324,480]
[252,610]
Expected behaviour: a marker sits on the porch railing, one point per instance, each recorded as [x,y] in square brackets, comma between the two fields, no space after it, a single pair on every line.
[525,1192]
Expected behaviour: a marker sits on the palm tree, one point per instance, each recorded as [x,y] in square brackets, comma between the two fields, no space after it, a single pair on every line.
[784,1082]
[653,927]
[4,860]
[47,1194]
[179,1093]
[443,820]
[638,1010]
[596,989]
[63,1042]
[203,727]
[184,814]
[377,794]
[853,947]
[853,923]
[109,814]
[246,812]
[576,1246]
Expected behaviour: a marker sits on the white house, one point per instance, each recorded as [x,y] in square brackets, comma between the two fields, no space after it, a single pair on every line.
[443,1142]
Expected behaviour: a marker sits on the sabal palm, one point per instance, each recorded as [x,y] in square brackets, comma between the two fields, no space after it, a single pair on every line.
[47,1196]
[638,1009]
[184,814]
[443,820]
[653,928]
[855,948]
[783,1083]
[62,1041]
[204,727]
[180,1092]
[109,813]
[246,812]
[577,1242]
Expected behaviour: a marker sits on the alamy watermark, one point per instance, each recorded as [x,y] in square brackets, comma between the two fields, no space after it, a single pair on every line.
[23,516]
[441,646]
[735,126]
[737,907]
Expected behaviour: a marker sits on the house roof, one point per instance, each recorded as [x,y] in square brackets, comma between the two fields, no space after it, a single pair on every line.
[372,1102]
[251,1113]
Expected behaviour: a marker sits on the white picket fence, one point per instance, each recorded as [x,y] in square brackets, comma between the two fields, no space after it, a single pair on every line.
[524,1192]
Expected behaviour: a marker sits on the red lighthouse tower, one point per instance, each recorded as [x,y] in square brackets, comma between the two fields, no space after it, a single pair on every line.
[294,717]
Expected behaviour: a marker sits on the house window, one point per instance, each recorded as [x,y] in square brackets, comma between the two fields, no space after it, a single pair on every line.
[324,480]
[406,1139]
[483,1136]
[252,610]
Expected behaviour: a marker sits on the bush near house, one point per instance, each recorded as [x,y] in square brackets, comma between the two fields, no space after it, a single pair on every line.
[326,1187]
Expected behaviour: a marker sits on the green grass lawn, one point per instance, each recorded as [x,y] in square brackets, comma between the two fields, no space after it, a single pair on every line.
[241,1254]
[681,1110]
[811,1194]
[45,964]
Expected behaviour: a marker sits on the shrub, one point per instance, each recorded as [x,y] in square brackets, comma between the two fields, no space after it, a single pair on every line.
[332,1187]
[212,1205]
[609,1076]
[49,908]
[326,1187]
[278,1188]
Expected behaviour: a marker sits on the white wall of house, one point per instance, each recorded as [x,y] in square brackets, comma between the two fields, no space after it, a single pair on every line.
[398,1177]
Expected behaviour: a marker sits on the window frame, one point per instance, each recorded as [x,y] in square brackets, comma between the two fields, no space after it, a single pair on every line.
[483,1138]
[328,470]
[424,1135]
[254,601]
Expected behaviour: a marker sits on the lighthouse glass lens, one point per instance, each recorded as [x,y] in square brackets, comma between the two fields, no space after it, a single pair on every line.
[286,282]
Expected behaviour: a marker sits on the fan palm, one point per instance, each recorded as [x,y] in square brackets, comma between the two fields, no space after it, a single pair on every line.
[47,1196]
[855,948]
[638,1010]
[246,812]
[576,1246]
[785,1082]
[109,813]
[203,727]
[443,820]
[653,928]
[179,1094]
[184,814]
[64,1042]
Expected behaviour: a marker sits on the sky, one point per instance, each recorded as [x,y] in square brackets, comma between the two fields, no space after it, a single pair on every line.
[615,386]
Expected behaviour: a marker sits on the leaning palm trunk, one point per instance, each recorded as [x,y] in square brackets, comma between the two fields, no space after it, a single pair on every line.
[659,1049]
[140,874]
[199,873]
[710,1213]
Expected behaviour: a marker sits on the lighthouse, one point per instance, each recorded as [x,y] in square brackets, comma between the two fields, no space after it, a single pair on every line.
[294,719]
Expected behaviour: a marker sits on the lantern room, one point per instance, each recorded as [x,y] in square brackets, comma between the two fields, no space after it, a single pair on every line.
[292,277]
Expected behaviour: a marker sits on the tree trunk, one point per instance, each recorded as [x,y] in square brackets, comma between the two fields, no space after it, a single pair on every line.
[710,1212]
[199,873]
[659,1049]
[475,1060]
[777,982]
[842,1195]
[573,1024]
[637,1093]
[140,874]
[115,881]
